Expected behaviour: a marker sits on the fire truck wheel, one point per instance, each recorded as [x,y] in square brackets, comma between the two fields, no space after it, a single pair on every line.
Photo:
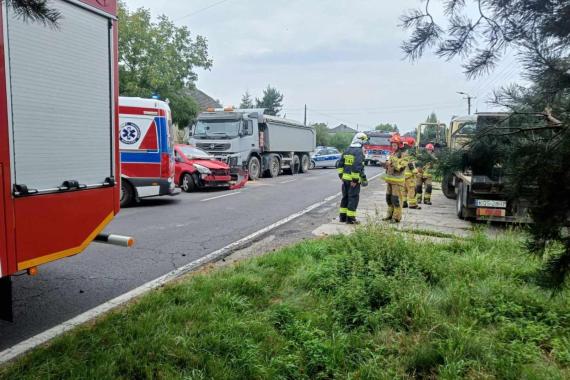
[127,193]
[187,184]
[253,168]
[305,163]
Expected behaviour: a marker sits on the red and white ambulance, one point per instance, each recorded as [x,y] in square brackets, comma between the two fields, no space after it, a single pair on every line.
[59,156]
[147,161]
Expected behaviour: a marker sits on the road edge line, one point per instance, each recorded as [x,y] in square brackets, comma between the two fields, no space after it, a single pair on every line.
[44,337]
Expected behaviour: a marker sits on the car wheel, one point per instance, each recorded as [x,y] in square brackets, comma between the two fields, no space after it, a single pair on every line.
[312,165]
[305,163]
[254,168]
[188,184]
[127,193]
[274,167]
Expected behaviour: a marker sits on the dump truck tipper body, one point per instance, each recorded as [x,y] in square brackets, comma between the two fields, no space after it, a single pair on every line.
[264,145]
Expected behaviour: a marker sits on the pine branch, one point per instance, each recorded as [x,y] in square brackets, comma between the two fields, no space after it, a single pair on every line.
[35,11]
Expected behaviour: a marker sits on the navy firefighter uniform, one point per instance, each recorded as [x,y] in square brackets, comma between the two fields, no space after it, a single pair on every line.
[351,172]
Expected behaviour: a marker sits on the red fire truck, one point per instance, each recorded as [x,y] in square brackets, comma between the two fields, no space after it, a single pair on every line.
[378,148]
[59,151]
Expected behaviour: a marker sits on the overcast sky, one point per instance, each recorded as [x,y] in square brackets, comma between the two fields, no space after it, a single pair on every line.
[342,58]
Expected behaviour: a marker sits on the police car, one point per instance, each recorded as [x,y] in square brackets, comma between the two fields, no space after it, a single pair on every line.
[325,157]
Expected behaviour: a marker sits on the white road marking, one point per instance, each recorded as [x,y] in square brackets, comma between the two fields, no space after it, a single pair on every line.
[46,336]
[288,181]
[221,196]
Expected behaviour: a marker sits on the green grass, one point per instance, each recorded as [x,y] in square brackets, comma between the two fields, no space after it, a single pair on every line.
[372,305]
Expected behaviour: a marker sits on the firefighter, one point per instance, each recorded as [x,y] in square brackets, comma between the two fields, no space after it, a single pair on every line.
[410,174]
[351,173]
[394,177]
[424,178]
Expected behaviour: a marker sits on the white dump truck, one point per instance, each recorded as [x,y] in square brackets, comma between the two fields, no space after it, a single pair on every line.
[246,138]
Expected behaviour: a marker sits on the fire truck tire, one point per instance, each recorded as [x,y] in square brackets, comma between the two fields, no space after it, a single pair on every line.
[305,163]
[187,183]
[254,168]
[274,167]
[127,193]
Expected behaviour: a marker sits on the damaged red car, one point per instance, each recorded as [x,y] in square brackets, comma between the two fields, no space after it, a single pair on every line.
[196,169]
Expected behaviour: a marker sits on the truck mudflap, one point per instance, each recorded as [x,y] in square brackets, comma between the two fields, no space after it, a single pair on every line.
[6,312]
[239,176]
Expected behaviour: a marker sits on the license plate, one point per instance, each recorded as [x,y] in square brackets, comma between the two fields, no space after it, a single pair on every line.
[489,203]
[491,212]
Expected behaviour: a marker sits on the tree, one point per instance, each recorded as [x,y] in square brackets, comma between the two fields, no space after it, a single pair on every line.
[387,127]
[341,141]
[35,10]
[272,101]
[246,101]
[533,155]
[160,58]
[323,135]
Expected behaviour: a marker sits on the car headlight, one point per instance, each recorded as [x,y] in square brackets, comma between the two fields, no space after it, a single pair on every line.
[202,169]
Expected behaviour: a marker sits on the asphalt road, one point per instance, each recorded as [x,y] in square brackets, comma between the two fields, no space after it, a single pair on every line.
[170,232]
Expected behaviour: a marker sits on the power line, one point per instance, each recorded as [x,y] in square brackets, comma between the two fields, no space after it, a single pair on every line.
[202,10]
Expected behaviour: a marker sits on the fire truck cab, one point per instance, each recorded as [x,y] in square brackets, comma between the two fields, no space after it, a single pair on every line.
[59,157]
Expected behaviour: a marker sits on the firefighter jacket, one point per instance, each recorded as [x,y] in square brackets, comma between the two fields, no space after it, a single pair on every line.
[411,170]
[351,165]
[395,168]
[426,170]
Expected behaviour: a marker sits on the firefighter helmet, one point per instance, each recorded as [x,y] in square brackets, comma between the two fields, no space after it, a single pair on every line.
[359,138]
[396,139]
[430,147]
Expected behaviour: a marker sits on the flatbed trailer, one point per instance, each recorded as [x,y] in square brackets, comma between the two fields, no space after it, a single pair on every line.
[481,198]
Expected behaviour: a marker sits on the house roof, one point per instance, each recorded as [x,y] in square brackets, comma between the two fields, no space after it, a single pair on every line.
[204,100]
[342,129]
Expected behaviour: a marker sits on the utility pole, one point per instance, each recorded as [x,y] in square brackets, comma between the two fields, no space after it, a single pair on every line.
[305,115]
[469,98]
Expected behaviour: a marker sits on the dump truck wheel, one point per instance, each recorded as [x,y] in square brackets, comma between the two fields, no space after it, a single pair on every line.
[312,165]
[295,165]
[305,163]
[253,168]
[127,193]
[274,167]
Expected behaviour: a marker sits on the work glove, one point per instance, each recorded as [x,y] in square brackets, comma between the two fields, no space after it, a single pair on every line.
[364,183]
[340,176]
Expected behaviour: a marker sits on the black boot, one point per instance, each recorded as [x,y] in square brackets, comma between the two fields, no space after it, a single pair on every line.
[352,220]
[405,205]
[342,218]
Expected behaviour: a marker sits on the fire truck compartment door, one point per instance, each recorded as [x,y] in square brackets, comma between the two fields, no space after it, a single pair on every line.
[61,98]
